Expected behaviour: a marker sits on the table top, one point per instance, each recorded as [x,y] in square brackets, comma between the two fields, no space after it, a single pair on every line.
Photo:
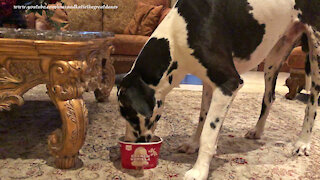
[46,35]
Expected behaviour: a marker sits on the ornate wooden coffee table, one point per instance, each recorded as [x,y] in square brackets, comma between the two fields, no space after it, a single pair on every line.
[69,63]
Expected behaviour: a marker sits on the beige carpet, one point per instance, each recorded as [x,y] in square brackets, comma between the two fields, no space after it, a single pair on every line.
[24,131]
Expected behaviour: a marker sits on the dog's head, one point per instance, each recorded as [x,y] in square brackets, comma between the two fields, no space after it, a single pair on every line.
[136,101]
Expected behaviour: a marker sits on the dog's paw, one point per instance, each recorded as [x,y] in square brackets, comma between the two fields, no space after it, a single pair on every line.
[301,149]
[189,147]
[195,174]
[253,134]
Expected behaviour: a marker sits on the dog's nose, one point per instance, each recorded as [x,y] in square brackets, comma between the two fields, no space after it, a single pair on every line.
[141,139]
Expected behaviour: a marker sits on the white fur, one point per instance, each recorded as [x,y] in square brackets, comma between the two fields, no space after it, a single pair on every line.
[274,60]
[192,145]
[308,83]
[302,146]
[277,15]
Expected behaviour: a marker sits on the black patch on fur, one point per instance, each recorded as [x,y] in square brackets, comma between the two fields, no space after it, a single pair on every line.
[141,139]
[310,13]
[217,120]
[201,119]
[230,86]
[153,61]
[173,66]
[304,43]
[317,88]
[313,84]
[311,129]
[241,81]
[139,97]
[131,116]
[312,99]
[150,125]
[216,29]
[147,122]
[158,118]
[315,115]
[272,96]
[270,67]
[148,138]
[263,109]
[136,134]
[136,97]
[170,79]
[212,125]
[307,65]
[159,103]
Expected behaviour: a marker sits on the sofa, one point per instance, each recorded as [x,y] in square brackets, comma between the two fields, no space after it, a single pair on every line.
[296,80]
[127,44]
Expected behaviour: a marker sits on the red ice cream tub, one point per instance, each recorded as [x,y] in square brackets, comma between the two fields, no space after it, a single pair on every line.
[140,155]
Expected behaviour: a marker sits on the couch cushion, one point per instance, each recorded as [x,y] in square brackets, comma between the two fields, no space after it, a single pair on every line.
[165,12]
[84,19]
[58,20]
[130,45]
[116,20]
[145,20]
[122,64]
[164,3]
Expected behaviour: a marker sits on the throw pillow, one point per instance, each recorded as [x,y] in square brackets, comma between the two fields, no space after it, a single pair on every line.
[145,20]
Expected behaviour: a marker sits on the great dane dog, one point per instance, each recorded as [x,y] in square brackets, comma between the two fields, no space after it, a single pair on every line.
[217,40]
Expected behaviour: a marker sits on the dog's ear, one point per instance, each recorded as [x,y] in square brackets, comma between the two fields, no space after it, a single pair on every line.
[142,98]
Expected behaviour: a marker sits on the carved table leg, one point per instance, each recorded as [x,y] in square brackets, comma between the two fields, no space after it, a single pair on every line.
[65,90]
[108,78]
[295,83]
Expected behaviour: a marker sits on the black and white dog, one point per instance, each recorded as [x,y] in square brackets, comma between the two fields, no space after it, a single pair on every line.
[217,40]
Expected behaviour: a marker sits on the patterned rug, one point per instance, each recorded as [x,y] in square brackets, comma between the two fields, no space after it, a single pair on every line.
[24,153]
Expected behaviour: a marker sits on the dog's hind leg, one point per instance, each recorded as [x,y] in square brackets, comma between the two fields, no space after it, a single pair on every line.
[192,145]
[272,66]
[302,146]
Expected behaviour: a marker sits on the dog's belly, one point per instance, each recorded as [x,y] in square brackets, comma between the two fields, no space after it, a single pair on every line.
[278,18]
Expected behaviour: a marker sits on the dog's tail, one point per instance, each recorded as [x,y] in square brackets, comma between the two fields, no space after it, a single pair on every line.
[308,74]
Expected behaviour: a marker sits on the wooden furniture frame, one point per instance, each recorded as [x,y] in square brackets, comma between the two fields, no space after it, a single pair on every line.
[69,63]
[295,83]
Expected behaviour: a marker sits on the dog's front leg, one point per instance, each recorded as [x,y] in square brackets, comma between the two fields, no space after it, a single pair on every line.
[192,145]
[208,141]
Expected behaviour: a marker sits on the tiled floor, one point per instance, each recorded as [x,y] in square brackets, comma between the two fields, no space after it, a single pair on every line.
[253,82]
